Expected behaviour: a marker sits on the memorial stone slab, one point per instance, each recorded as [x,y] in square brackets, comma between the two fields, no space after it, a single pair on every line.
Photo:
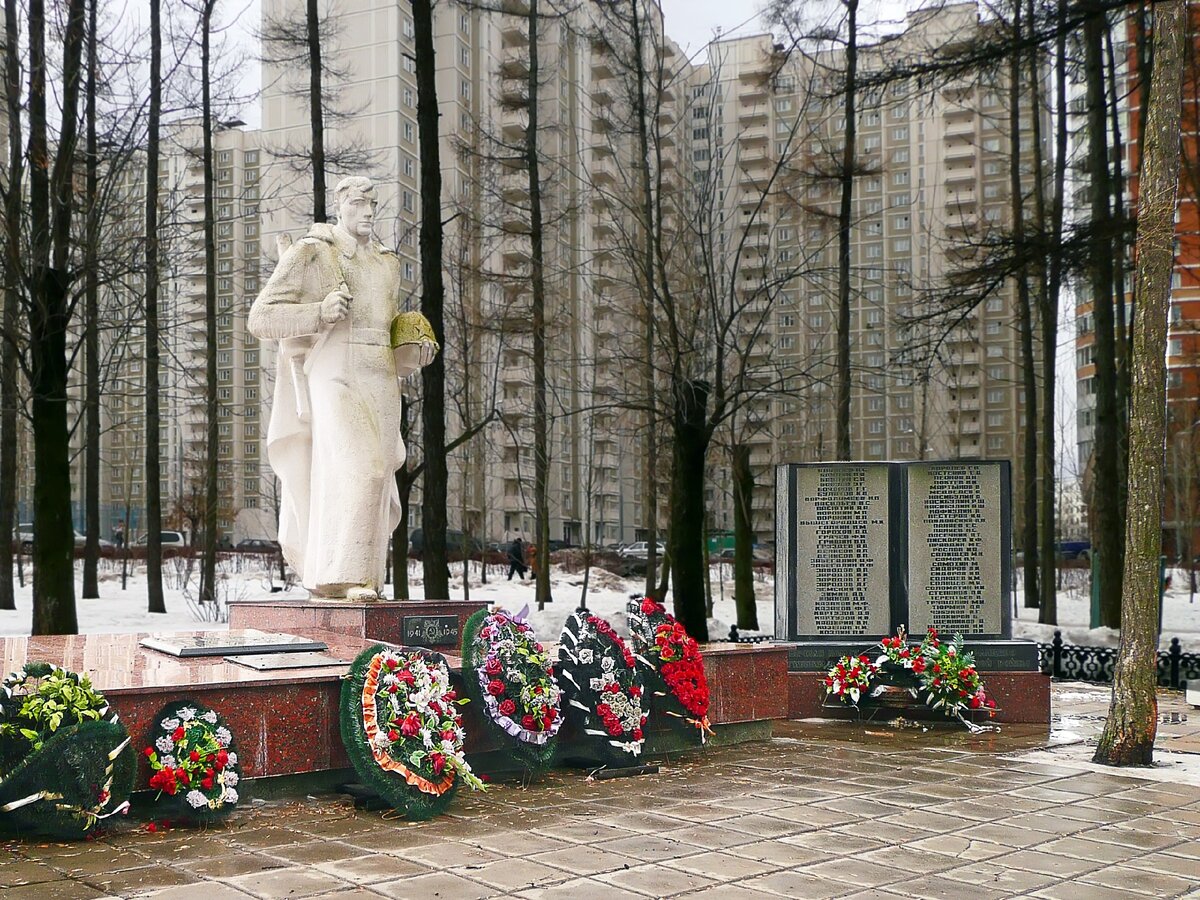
[264,662]
[958,547]
[223,643]
[833,570]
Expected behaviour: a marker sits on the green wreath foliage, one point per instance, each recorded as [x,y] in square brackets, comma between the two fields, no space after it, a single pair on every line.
[416,804]
[532,758]
[66,762]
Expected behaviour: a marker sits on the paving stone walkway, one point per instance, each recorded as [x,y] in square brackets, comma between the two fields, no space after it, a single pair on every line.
[822,810]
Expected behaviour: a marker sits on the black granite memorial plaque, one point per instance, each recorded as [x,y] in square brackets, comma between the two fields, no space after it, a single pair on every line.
[430,631]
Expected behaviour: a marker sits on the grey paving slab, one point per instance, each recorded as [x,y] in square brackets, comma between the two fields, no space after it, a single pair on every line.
[832,810]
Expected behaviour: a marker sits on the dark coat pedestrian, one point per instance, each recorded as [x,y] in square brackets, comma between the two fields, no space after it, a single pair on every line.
[516,559]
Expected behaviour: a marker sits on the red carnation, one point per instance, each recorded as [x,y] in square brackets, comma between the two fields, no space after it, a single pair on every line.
[183,776]
[649,607]
[207,784]
[615,729]
[637,734]
[411,725]
[527,722]
[507,708]
[149,751]
[194,756]
[407,677]
[393,735]
[177,734]
[222,758]
[495,687]
[448,735]
[439,763]
[493,666]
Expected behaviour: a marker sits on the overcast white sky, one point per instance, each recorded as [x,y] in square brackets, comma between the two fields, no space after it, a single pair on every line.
[693,23]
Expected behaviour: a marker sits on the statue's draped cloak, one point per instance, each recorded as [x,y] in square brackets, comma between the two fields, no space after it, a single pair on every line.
[337,462]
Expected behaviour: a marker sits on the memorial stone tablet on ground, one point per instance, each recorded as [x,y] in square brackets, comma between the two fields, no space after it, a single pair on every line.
[224,643]
[957,580]
[840,531]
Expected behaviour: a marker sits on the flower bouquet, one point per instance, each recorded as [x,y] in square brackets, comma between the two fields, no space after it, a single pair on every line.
[65,759]
[850,678]
[402,730]
[194,762]
[942,673]
[669,659]
[602,687]
[509,673]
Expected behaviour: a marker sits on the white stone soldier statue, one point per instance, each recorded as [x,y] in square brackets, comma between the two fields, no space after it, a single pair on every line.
[333,303]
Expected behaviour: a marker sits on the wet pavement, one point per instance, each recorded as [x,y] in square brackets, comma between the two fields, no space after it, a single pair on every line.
[822,810]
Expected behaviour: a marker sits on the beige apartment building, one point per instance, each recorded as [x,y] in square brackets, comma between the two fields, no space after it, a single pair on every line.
[934,180]
[754,133]
[246,498]
[596,483]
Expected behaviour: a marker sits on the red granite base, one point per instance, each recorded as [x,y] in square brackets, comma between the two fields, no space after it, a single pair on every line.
[286,721]
[380,620]
[1022,697]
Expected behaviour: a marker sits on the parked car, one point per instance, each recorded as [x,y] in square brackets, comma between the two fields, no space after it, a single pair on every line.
[257,545]
[25,537]
[640,550]
[173,539]
[81,541]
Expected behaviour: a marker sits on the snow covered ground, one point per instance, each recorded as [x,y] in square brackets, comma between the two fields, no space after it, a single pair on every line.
[123,609]
[1181,614]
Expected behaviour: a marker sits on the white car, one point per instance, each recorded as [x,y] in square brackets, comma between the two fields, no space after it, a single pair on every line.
[640,550]
[25,537]
[173,539]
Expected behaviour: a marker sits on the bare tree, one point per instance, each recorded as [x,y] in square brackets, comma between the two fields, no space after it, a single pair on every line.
[208,564]
[154,583]
[91,323]
[9,398]
[433,376]
[51,208]
[1129,730]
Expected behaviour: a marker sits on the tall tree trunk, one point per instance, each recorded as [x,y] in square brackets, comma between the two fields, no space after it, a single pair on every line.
[647,274]
[49,320]
[1129,731]
[845,220]
[541,455]
[690,438]
[208,562]
[9,390]
[1029,457]
[1048,615]
[433,376]
[91,350]
[743,539]
[1107,525]
[154,583]
[315,111]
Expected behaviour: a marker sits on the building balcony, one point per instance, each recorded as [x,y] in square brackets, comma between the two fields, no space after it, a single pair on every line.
[752,114]
[963,175]
[960,128]
[514,33]
[959,148]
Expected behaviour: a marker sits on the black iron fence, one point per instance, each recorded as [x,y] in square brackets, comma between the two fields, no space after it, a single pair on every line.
[1078,663]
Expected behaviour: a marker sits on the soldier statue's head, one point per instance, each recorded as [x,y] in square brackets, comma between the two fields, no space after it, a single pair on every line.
[356,201]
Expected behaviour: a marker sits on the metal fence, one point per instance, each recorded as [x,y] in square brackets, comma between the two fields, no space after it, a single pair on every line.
[1078,663]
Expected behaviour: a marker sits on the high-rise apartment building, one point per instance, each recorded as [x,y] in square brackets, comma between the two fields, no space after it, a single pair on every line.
[246,498]
[483,92]
[932,182]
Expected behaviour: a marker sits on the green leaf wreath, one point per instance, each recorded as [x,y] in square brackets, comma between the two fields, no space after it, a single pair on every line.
[66,762]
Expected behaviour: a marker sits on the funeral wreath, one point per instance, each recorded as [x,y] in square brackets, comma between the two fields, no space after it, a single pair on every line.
[65,759]
[671,665]
[194,761]
[402,729]
[509,673]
